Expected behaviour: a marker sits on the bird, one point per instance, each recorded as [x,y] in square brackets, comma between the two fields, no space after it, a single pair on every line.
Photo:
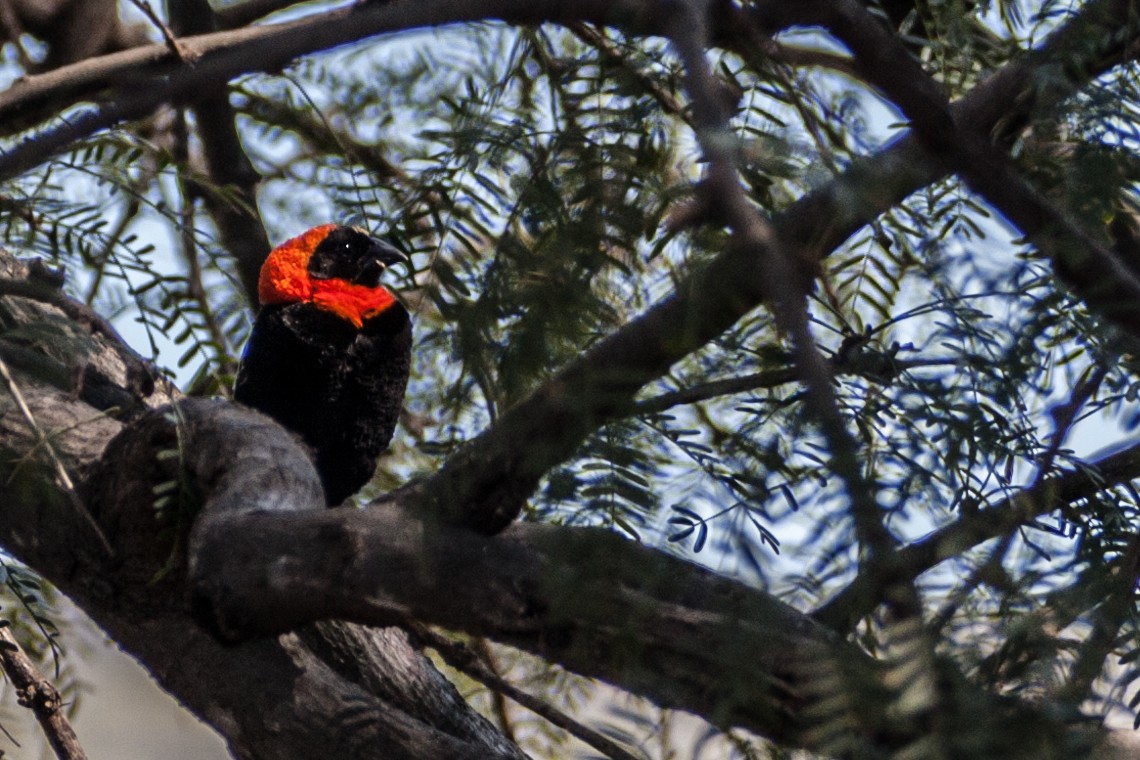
[329,353]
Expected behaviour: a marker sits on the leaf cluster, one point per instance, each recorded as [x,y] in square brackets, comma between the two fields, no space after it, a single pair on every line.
[531,173]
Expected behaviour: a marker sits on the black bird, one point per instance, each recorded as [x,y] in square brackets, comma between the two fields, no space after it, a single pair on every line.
[330,351]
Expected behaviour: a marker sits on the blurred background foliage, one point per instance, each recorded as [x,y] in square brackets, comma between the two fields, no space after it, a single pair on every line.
[530,173]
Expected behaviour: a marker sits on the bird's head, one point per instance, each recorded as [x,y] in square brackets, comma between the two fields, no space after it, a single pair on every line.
[333,267]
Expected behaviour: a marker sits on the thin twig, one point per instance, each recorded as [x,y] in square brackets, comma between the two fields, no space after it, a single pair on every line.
[101,259]
[987,570]
[789,306]
[1104,620]
[888,368]
[669,102]
[186,228]
[167,36]
[464,660]
[978,526]
[36,692]
[1065,416]
[772,378]
[63,480]
[13,32]
[498,699]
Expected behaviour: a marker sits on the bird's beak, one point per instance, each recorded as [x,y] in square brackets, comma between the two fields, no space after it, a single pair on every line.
[387,254]
[380,256]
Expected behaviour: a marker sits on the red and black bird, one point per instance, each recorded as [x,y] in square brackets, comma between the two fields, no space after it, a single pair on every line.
[330,351]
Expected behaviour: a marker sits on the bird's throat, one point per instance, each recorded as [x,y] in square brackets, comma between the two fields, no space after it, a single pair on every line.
[355,303]
[285,278]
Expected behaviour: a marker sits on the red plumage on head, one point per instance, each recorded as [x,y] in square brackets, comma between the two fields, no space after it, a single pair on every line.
[285,279]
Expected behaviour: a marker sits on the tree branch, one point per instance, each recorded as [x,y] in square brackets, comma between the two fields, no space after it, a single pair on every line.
[972,529]
[460,657]
[584,598]
[234,210]
[1111,287]
[330,689]
[878,366]
[600,605]
[38,693]
[501,467]
[150,75]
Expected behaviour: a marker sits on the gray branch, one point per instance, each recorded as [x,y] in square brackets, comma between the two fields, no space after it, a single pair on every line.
[262,556]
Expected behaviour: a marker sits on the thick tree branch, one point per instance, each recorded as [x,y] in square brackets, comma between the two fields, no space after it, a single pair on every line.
[501,467]
[581,597]
[331,688]
[1111,287]
[141,78]
[972,529]
[600,605]
[231,191]
[247,463]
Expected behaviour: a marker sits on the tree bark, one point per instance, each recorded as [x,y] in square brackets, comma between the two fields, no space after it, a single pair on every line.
[331,689]
[241,546]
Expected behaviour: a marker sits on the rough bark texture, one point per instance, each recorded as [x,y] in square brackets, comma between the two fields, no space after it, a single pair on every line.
[241,548]
[244,548]
[329,690]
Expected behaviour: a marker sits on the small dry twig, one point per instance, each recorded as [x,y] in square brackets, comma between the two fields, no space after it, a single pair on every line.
[176,47]
[468,662]
[63,480]
[38,693]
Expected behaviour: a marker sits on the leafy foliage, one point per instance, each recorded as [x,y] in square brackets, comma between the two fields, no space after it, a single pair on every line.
[531,172]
